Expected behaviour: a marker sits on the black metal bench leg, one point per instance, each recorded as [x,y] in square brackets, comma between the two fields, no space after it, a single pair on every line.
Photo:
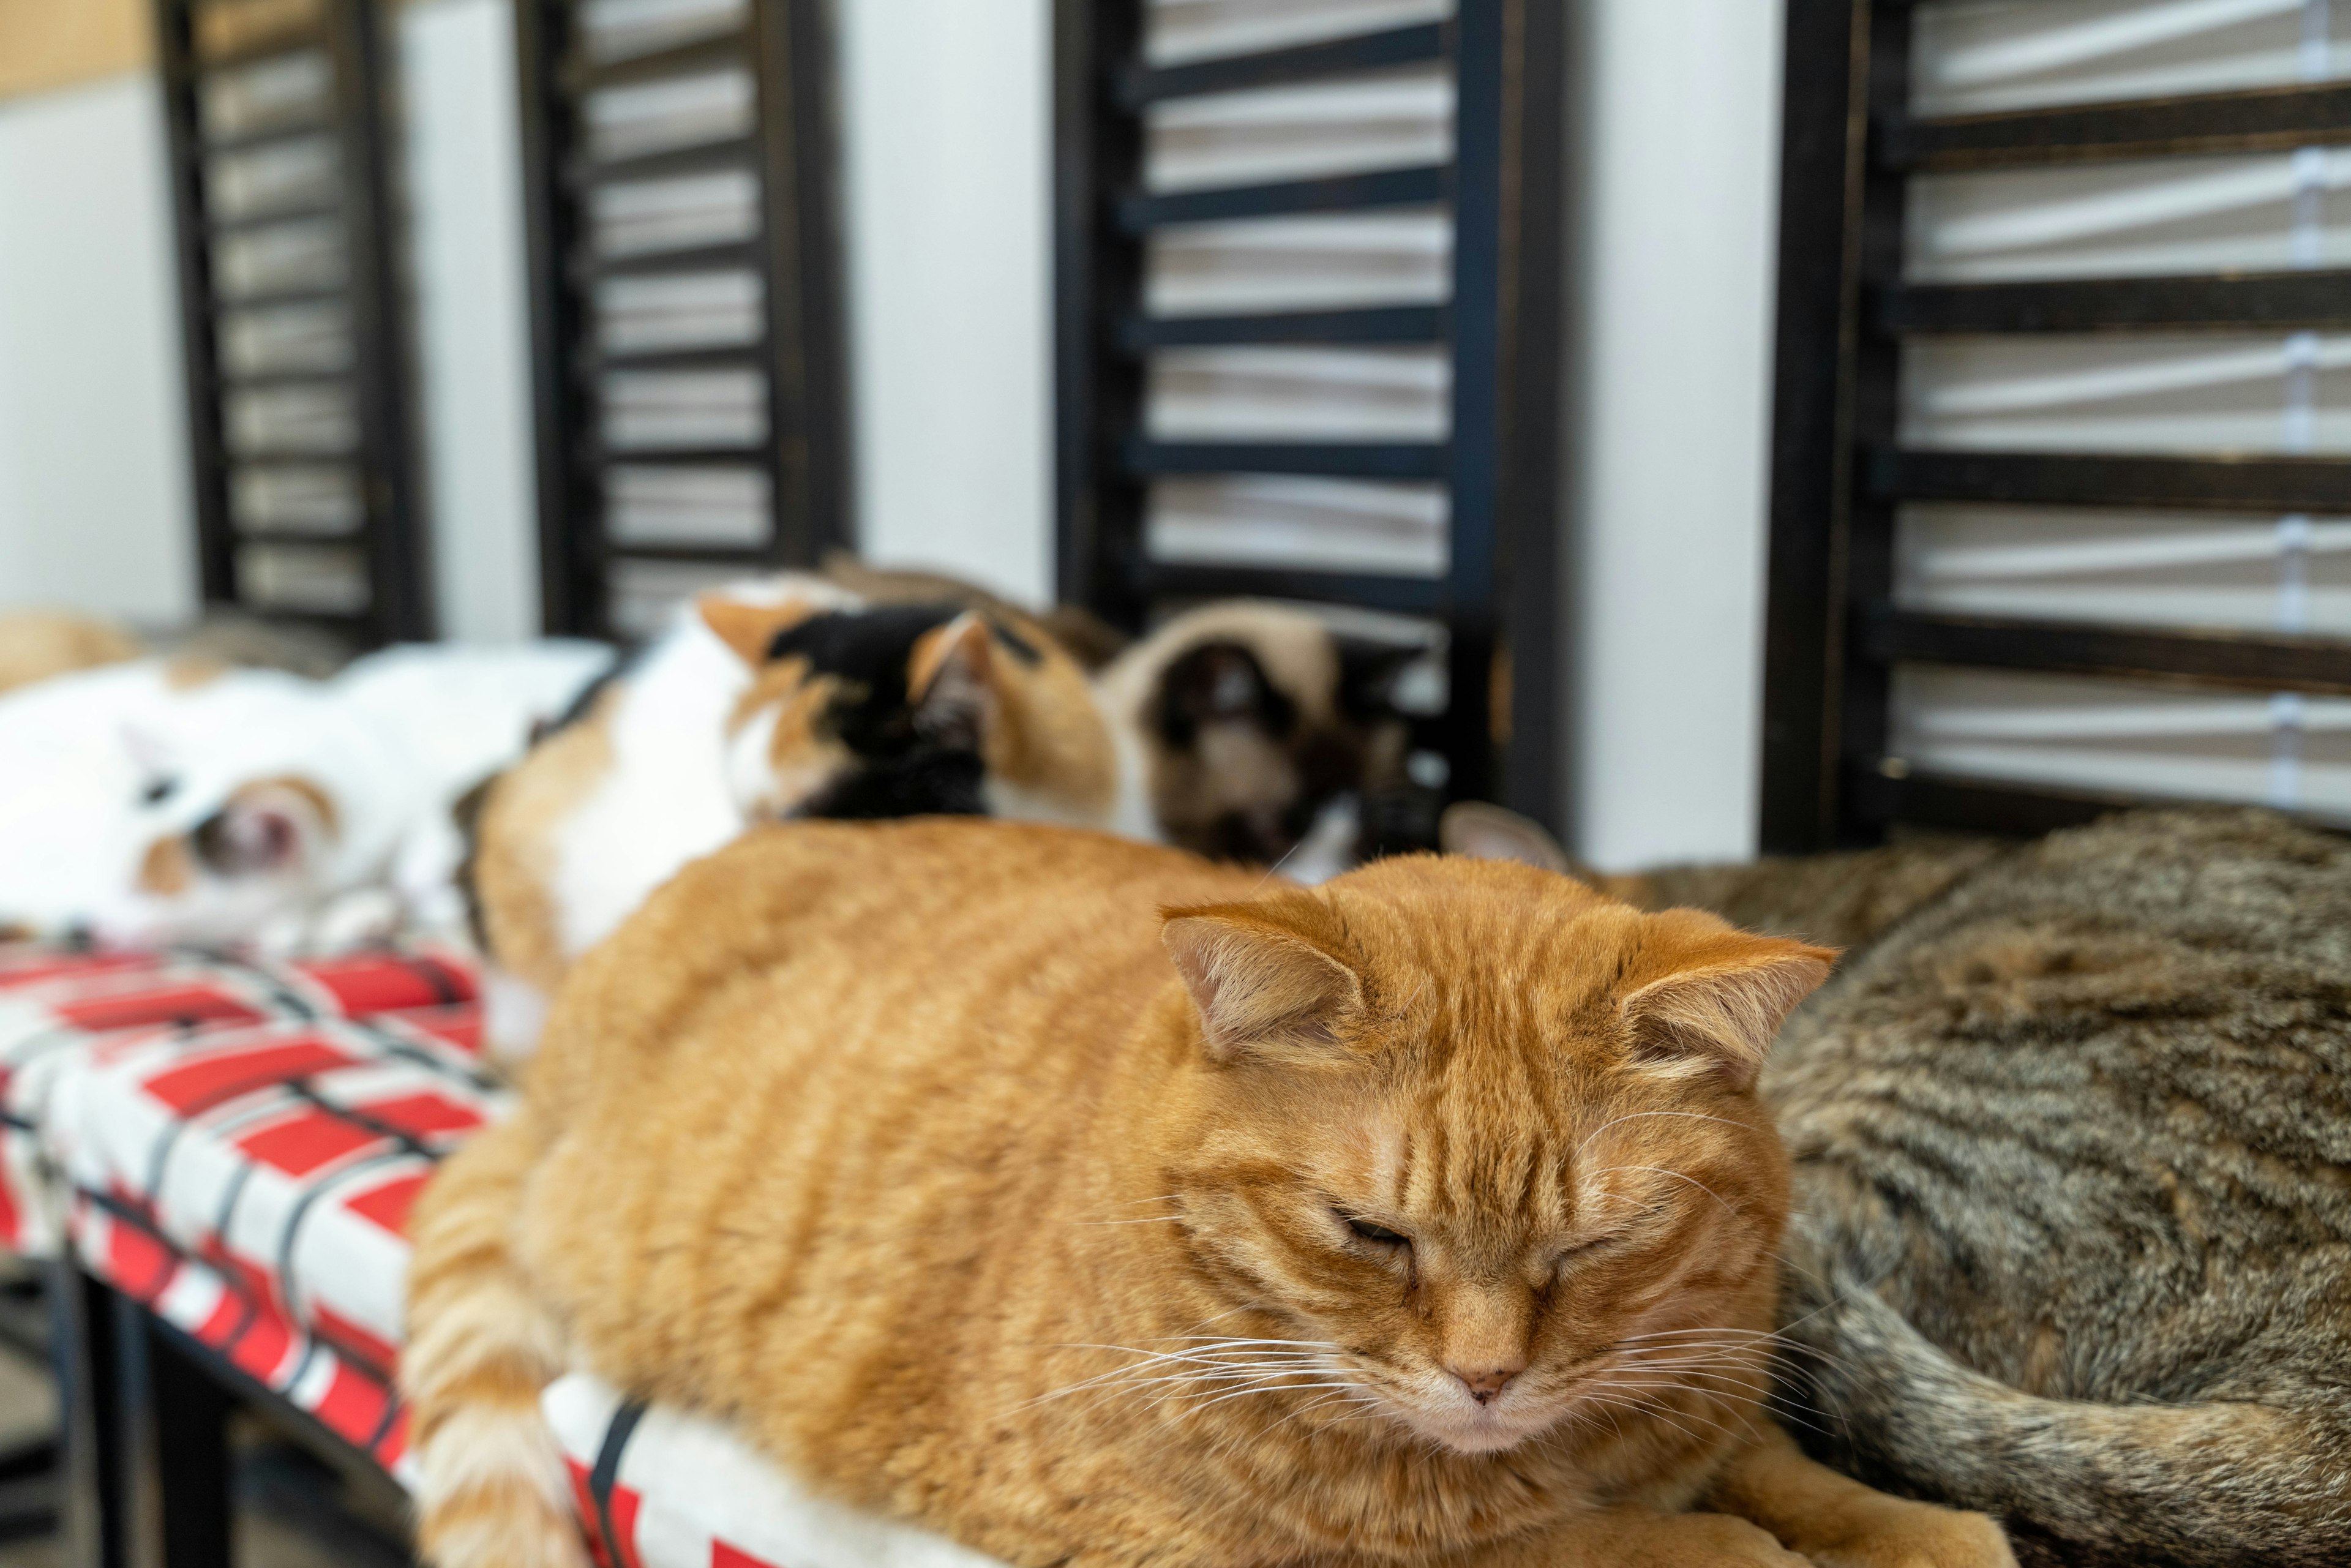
[174,1439]
[193,1472]
[85,1346]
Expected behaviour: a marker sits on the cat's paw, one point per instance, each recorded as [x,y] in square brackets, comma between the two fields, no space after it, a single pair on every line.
[1919,1535]
[1713,1541]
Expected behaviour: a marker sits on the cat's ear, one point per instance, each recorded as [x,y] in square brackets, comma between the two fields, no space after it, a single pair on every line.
[952,681]
[1717,1015]
[1483,832]
[751,629]
[1261,990]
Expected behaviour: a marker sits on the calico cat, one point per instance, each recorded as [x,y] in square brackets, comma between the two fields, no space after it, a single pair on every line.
[2071,1135]
[784,698]
[1094,1205]
[1230,731]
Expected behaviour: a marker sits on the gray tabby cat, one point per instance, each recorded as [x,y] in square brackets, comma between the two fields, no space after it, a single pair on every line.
[2071,1133]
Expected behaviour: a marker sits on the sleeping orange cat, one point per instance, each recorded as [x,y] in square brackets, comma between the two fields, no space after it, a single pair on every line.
[1093,1205]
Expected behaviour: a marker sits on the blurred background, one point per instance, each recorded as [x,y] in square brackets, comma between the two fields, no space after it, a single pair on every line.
[941,390]
[443,320]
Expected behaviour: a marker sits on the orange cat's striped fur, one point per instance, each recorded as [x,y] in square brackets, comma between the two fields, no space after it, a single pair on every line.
[1434,1210]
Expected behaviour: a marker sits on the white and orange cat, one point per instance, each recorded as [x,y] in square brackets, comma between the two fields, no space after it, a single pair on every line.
[166,800]
[1090,1204]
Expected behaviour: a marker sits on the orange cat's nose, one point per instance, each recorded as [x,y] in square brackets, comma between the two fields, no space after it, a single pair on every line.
[1483,1385]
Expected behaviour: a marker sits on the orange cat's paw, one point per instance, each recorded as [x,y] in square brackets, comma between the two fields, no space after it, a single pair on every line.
[1717,1540]
[1919,1535]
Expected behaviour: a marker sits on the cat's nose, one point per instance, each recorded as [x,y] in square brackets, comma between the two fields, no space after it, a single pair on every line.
[1484,1384]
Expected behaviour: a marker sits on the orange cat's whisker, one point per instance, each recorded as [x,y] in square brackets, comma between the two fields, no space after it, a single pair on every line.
[1638,1115]
[1677,1175]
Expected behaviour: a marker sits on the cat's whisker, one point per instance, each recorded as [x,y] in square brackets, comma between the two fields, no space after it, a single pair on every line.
[1316,1344]
[1678,1175]
[1637,1115]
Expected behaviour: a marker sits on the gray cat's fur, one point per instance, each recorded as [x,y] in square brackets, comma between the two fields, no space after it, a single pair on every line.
[2072,1144]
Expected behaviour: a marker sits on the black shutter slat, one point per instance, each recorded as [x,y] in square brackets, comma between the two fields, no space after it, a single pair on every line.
[2221,483]
[2265,120]
[2248,661]
[1288,198]
[1386,324]
[1360,460]
[2220,302]
[1139,85]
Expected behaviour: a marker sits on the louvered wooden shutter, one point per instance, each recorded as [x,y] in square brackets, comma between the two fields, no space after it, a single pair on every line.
[2062,460]
[685,308]
[296,351]
[1308,278]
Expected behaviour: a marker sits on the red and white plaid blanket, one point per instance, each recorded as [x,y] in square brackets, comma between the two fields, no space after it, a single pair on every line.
[235,1145]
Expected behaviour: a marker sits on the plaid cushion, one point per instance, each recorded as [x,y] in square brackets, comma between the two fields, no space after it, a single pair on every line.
[57,1010]
[235,1145]
[660,1489]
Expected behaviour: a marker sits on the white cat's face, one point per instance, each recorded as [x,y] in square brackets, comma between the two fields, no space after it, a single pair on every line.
[227,821]
[252,855]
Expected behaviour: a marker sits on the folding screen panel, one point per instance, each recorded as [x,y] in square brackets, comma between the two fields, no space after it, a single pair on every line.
[298,380]
[1307,270]
[685,311]
[2062,503]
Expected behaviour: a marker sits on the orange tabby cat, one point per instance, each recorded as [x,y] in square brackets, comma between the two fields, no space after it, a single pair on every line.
[1427,1218]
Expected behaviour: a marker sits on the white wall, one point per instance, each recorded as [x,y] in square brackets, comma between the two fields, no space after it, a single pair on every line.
[946,121]
[464,163]
[94,507]
[1680,155]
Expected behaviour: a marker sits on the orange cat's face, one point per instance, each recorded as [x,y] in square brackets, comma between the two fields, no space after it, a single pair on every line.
[1481,1208]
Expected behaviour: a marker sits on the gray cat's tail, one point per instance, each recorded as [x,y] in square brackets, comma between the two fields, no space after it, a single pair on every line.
[2196,1484]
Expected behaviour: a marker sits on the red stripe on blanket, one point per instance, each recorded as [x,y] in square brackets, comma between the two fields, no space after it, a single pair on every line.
[136,1263]
[353,1406]
[384,983]
[625,1504]
[260,1351]
[583,1503]
[420,1115]
[189,1087]
[388,1204]
[30,966]
[724,1556]
[172,1004]
[460,1026]
[302,1143]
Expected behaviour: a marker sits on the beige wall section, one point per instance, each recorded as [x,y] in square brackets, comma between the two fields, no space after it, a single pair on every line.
[47,44]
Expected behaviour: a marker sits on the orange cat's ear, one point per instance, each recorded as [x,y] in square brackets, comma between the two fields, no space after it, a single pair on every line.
[1261,990]
[751,628]
[1717,1016]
